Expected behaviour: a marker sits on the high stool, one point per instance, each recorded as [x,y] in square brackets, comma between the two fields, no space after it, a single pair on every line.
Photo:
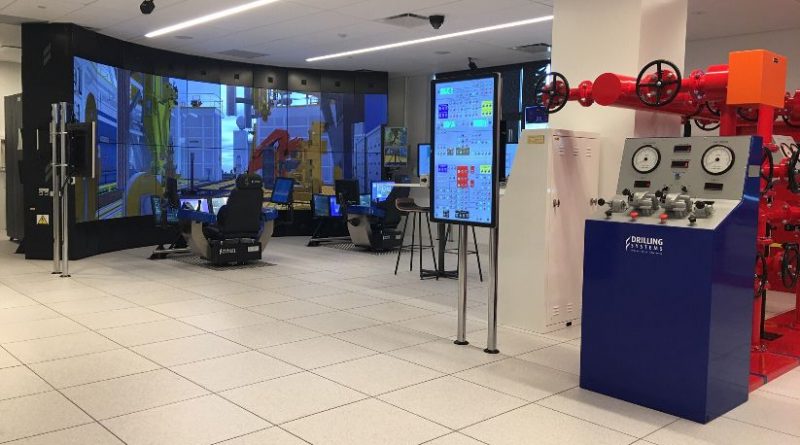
[475,252]
[408,207]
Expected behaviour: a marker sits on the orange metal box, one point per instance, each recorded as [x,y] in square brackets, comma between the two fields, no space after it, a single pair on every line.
[756,77]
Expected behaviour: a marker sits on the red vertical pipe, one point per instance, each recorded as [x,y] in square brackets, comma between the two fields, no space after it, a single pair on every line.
[766,120]
[727,121]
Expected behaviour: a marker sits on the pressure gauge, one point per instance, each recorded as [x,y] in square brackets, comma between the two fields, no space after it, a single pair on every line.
[646,159]
[718,159]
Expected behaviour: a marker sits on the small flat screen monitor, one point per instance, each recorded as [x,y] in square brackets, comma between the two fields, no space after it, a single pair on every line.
[423,159]
[511,153]
[335,208]
[366,200]
[347,191]
[282,192]
[198,204]
[217,203]
[381,190]
[321,205]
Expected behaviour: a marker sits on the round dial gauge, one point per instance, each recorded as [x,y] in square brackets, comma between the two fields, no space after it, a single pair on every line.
[718,159]
[646,158]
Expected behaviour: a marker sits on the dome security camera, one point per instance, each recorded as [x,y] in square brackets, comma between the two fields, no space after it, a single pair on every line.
[147,7]
[436,21]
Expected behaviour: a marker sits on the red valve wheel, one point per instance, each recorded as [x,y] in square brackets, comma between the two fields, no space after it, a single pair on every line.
[660,87]
[554,94]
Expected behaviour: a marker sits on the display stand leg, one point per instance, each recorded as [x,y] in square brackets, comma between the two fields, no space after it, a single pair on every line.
[56,189]
[491,340]
[462,286]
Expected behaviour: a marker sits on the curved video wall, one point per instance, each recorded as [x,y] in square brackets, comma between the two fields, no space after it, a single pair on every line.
[204,134]
[199,120]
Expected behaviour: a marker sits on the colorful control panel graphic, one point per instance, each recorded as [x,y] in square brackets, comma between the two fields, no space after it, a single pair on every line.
[463,155]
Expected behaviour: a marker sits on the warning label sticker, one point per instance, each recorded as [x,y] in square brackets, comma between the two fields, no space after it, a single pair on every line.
[43,220]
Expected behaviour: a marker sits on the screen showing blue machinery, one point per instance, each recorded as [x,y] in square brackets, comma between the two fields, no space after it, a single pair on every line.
[511,153]
[282,192]
[465,130]
[217,203]
[423,159]
[197,204]
[381,190]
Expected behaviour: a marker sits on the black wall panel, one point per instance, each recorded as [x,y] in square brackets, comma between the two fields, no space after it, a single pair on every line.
[305,80]
[338,82]
[270,77]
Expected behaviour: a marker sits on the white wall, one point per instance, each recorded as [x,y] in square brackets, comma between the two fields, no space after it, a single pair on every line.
[10,83]
[702,53]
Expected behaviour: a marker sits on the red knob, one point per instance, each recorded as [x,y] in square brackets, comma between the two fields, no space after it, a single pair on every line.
[664,217]
[634,214]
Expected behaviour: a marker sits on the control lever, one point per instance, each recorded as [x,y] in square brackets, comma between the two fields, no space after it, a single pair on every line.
[645,203]
[616,205]
[703,209]
[677,205]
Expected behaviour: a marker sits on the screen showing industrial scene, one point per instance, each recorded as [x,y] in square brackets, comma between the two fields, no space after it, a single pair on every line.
[464,151]
[152,127]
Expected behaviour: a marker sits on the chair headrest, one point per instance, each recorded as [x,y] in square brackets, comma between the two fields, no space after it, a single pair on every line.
[249,182]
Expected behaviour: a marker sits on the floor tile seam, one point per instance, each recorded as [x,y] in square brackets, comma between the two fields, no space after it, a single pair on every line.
[233,388]
[767,390]
[282,424]
[455,375]
[229,400]
[452,430]
[222,442]
[160,405]
[61,393]
[373,354]
[662,428]
[378,396]
[53,431]
[636,436]
[759,426]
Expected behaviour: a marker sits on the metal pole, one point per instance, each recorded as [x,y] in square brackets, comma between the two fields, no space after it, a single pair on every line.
[462,286]
[54,172]
[491,340]
[65,195]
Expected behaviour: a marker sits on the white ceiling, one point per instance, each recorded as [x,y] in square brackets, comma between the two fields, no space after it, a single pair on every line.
[290,31]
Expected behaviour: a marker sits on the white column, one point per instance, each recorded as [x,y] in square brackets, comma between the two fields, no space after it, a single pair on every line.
[618,36]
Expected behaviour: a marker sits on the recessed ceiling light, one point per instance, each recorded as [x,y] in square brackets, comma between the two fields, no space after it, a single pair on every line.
[468,32]
[209,17]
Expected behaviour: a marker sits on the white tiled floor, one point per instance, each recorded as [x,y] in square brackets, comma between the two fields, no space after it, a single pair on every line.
[324,347]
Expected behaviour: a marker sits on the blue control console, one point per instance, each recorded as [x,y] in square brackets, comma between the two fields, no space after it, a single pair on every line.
[668,277]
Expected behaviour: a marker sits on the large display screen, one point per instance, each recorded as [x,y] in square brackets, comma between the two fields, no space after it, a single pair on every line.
[511,154]
[423,159]
[203,134]
[464,157]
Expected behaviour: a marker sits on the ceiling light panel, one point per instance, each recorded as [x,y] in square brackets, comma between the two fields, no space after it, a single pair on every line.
[436,38]
[210,17]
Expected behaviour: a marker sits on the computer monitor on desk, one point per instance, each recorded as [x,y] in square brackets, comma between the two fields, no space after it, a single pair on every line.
[217,203]
[320,205]
[381,190]
[197,204]
[423,159]
[508,160]
[366,200]
[347,191]
[282,191]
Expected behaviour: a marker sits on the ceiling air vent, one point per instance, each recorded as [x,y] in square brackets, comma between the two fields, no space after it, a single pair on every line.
[537,49]
[407,20]
[241,54]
